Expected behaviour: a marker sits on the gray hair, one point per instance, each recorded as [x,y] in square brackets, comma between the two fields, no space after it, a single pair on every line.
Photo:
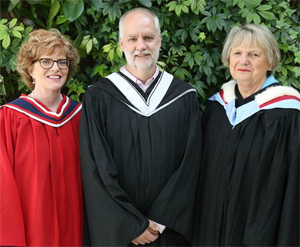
[253,34]
[121,22]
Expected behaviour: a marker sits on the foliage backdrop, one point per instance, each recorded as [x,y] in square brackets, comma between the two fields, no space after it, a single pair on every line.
[193,32]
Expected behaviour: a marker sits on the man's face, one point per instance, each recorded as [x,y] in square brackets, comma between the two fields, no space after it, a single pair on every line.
[140,42]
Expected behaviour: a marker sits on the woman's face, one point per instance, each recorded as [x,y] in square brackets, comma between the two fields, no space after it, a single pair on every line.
[53,78]
[248,64]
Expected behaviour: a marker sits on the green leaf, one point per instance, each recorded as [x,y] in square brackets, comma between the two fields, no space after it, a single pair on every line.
[73,11]
[14,2]
[112,9]
[214,11]
[289,60]
[13,22]
[197,6]
[2,86]
[191,63]
[3,21]
[249,18]
[187,56]
[202,36]
[256,18]
[206,13]
[55,6]
[207,70]
[113,35]
[28,30]
[18,28]
[3,28]
[199,87]
[111,55]
[211,25]
[220,22]
[245,12]
[178,49]
[185,9]
[172,5]
[184,36]
[96,4]
[13,63]
[95,41]
[2,34]
[119,51]
[146,3]
[297,71]
[99,70]
[297,57]
[108,47]
[178,10]
[10,8]
[264,7]
[198,58]
[61,19]
[89,46]
[284,71]
[85,40]
[253,3]
[36,2]
[17,34]
[284,37]
[235,2]
[267,15]
[72,1]
[293,34]
[179,32]
[6,41]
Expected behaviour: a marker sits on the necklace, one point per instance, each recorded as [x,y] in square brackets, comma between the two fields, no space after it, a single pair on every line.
[32,95]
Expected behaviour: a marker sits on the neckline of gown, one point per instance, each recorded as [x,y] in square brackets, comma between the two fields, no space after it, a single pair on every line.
[242,101]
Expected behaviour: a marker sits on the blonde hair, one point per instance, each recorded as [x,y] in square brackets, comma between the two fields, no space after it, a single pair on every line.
[40,42]
[253,34]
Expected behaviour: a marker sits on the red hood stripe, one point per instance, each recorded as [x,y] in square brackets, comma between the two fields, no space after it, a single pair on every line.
[278,99]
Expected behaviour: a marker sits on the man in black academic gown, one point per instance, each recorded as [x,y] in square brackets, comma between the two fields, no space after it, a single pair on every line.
[140,141]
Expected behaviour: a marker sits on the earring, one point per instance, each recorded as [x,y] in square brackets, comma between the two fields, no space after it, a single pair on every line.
[33,81]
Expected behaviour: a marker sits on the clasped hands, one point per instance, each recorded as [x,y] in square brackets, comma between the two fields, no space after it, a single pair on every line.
[149,235]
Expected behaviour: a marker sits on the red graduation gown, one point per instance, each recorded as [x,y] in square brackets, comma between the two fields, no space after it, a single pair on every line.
[41,194]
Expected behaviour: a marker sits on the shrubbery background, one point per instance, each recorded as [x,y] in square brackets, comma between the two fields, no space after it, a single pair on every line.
[193,32]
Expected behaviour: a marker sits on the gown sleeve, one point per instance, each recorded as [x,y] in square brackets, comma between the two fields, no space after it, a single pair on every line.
[174,207]
[273,218]
[110,212]
[12,231]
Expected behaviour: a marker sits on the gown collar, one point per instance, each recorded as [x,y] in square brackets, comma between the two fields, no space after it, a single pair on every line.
[31,107]
[272,95]
[142,106]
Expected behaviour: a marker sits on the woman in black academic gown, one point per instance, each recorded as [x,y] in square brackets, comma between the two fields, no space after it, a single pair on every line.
[249,191]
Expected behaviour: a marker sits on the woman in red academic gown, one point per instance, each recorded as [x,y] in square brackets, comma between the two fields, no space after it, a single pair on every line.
[40,186]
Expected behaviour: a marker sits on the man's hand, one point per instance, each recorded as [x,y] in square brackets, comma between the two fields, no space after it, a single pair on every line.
[153,228]
[148,236]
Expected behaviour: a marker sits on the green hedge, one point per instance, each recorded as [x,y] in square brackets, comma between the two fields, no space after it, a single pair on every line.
[193,32]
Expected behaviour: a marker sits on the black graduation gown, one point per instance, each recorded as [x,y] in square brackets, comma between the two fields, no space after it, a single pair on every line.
[249,185]
[137,167]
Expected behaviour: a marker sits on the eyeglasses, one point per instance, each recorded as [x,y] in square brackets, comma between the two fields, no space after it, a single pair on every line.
[47,63]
